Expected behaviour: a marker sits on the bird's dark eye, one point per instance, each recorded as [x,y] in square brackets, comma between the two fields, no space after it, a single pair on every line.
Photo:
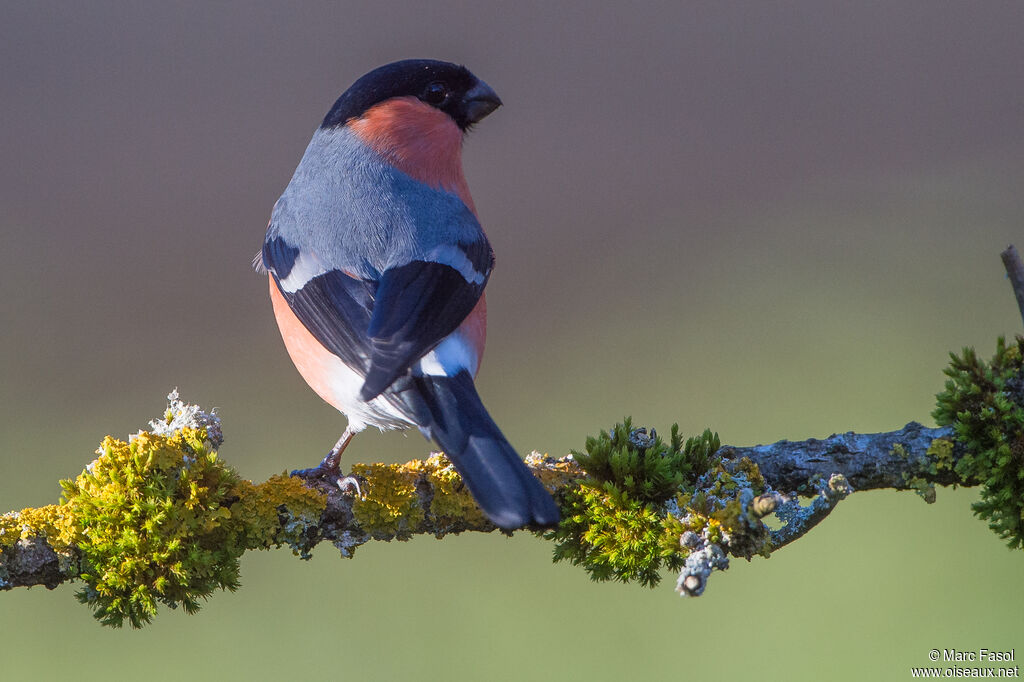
[435,93]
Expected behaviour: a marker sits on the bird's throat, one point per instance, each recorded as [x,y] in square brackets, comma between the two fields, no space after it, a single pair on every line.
[419,140]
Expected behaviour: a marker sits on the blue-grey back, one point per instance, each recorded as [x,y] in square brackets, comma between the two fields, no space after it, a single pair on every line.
[358,213]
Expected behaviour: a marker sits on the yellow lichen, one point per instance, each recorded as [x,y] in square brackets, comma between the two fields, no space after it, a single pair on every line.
[51,522]
[260,506]
[698,522]
[452,502]
[922,487]
[389,506]
[941,452]
[753,473]
[555,474]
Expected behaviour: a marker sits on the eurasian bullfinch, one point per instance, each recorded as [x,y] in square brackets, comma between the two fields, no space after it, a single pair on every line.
[377,270]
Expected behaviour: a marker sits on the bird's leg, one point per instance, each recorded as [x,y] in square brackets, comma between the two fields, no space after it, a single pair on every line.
[329,469]
[332,461]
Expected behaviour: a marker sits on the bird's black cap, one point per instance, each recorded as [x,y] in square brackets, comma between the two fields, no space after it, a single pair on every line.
[449,87]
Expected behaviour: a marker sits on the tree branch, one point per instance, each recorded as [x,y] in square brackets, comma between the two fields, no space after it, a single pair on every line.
[160,518]
[427,498]
[1015,271]
[894,459]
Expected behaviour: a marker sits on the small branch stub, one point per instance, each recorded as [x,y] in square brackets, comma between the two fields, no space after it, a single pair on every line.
[1015,271]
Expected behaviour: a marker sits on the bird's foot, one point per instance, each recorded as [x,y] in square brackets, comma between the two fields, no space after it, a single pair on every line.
[327,470]
[326,476]
[317,473]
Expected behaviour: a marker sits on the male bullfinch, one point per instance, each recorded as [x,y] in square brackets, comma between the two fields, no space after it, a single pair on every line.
[377,270]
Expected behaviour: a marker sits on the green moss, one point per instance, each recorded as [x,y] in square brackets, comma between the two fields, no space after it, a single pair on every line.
[984,403]
[612,535]
[154,519]
[616,522]
[162,520]
[645,466]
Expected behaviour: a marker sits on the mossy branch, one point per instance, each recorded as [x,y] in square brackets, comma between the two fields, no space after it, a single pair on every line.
[160,518]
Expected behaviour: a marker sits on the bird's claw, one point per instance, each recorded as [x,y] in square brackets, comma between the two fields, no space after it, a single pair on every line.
[326,471]
[349,485]
[325,475]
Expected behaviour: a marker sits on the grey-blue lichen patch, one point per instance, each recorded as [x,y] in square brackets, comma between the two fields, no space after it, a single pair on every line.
[348,542]
[704,557]
[300,532]
[798,519]
[180,414]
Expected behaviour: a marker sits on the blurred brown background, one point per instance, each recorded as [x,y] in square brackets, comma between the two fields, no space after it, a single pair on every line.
[771,220]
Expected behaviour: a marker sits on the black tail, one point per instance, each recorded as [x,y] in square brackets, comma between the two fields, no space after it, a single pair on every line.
[449,410]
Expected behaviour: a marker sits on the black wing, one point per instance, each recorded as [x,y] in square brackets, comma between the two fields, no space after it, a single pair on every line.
[335,307]
[417,305]
[380,329]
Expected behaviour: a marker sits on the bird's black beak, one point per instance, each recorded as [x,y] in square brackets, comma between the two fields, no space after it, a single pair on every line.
[479,101]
